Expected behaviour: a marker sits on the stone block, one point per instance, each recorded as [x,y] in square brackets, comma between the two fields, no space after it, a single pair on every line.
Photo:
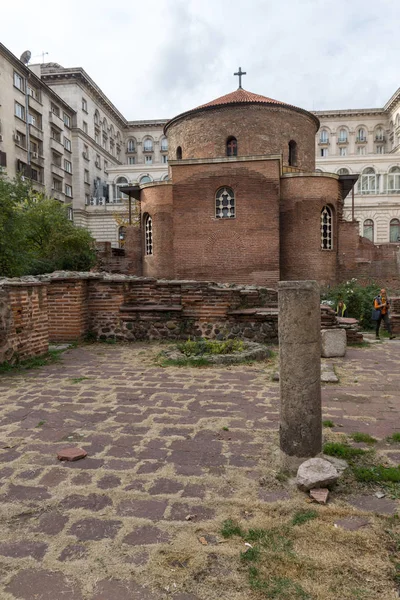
[316,473]
[333,342]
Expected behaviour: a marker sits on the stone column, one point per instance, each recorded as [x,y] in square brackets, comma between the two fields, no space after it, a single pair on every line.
[300,371]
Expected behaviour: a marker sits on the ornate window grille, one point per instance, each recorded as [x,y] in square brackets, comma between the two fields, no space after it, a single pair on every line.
[326,228]
[225,203]
[368,229]
[148,225]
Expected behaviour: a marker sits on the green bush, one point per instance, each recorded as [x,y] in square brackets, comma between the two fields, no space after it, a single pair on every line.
[358,299]
[200,347]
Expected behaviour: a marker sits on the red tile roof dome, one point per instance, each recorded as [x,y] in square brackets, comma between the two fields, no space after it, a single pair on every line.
[241,97]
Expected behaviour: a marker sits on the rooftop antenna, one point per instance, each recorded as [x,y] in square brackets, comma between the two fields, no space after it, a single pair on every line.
[26,57]
[43,54]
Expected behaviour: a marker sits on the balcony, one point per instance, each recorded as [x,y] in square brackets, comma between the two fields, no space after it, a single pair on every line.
[131,151]
[57,170]
[35,104]
[56,145]
[36,159]
[35,132]
[380,138]
[323,142]
[148,150]
[361,140]
[56,120]
[342,141]
[57,195]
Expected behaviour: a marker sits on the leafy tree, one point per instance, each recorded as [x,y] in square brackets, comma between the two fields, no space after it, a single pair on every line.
[36,235]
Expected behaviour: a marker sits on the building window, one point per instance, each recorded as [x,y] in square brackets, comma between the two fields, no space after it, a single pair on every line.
[292,153]
[97,136]
[148,145]
[131,160]
[323,136]
[231,146]
[361,150]
[55,134]
[145,179]
[70,213]
[164,159]
[19,81]
[98,161]
[67,144]
[85,152]
[57,185]
[326,228]
[379,135]
[105,165]
[121,236]
[394,180]
[68,190]
[343,171]
[324,152]
[225,203]
[19,111]
[87,199]
[342,136]
[343,151]
[131,146]
[148,227]
[67,166]
[67,120]
[55,110]
[368,182]
[164,145]
[84,105]
[179,153]
[368,230]
[97,118]
[361,135]
[380,149]
[395,230]
[148,160]
[86,176]
[56,159]
[85,127]
[34,93]
[119,195]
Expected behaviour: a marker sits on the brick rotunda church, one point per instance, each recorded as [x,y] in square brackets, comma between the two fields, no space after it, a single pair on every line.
[243,202]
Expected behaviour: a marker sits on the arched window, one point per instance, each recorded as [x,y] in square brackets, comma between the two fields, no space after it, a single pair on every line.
[368,229]
[343,171]
[145,179]
[131,146]
[165,177]
[121,236]
[395,230]
[393,180]
[342,136]
[231,146]
[367,182]
[119,195]
[164,145]
[292,153]
[379,134]
[361,135]
[323,136]
[318,171]
[326,228]
[179,153]
[148,230]
[148,145]
[97,118]
[225,203]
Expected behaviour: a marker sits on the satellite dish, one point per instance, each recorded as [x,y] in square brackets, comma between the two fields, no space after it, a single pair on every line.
[26,57]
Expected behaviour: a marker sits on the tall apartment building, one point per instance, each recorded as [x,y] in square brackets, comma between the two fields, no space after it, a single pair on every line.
[35,130]
[366,142]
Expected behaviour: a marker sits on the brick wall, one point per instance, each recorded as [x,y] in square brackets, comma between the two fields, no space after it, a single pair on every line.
[158,203]
[259,130]
[67,309]
[23,321]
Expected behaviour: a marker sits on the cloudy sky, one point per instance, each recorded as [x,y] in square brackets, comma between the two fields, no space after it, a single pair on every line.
[157,58]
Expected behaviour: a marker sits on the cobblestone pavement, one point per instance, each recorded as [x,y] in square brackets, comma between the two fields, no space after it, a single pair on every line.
[171,454]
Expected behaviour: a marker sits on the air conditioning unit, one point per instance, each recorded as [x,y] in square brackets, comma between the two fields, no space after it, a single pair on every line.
[17,138]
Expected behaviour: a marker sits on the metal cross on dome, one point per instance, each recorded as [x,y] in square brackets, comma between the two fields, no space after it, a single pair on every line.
[240,73]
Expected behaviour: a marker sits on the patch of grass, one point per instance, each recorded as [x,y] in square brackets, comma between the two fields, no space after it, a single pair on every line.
[225,429]
[302,516]
[282,476]
[363,437]
[342,450]
[35,362]
[251,555]
[230,528]
[394,438]
[359,344]
[200,347]
[185,362]
[377,474]
[277,588]
[78,379]
[328,423]
[40,424]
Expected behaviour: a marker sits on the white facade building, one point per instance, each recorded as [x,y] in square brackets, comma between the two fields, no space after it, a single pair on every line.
[366,142]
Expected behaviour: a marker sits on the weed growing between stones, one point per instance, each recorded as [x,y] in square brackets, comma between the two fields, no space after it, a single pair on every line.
[200,347]
[328,423]
[51,357]
[302,516]
[363,437]
[342,450]
[394,439]
[78,379]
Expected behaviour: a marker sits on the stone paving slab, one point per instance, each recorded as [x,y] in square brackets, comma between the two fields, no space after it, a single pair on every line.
[171,452]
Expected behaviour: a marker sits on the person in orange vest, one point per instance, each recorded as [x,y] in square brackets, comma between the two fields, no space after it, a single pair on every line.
[382,304]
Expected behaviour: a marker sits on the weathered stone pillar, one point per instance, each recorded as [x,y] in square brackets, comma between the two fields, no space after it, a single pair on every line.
[300,371]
